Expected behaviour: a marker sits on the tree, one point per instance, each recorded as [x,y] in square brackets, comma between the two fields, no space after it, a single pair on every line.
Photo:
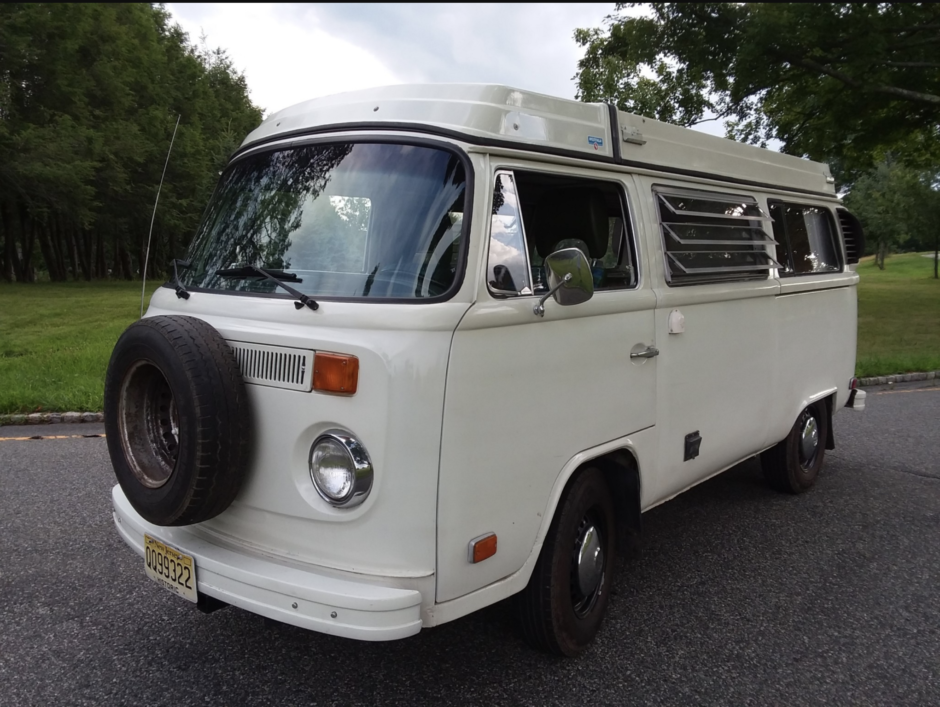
[898,207]
[844,83]
[89,95]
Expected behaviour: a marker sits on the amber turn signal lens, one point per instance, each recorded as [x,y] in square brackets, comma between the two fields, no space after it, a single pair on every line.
[482,547]
[335,373]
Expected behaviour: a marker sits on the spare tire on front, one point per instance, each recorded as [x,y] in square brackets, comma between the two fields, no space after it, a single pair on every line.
[177,420]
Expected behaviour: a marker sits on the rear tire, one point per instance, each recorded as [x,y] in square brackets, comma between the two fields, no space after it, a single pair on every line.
[562,607]
[793,465]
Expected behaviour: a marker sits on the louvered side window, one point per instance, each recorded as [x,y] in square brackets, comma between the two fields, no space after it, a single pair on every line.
[852,235]
[712,237]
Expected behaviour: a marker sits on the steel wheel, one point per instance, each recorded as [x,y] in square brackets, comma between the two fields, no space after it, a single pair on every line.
[587,567]
[809,439]
[793,464]
[150,424]
[563,606]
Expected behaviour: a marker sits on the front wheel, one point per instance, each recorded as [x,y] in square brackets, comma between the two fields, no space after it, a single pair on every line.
[562,607]
[793,465]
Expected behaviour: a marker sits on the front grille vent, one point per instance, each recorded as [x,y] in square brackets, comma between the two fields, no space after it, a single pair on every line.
[275,366]
[853,236]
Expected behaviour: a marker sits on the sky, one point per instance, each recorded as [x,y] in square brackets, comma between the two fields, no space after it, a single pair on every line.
[293,52]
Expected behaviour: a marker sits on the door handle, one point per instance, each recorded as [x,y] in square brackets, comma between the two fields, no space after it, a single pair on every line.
[648,352]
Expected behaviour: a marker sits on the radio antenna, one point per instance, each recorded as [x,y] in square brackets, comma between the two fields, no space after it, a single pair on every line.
[143,287]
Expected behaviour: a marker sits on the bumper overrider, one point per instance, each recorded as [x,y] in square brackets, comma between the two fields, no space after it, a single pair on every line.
[301,597]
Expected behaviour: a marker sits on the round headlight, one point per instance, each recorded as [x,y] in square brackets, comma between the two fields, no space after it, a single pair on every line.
[340,469]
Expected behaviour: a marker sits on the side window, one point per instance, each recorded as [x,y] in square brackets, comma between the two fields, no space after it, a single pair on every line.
[805,238]
[535,214]
[507,270]
[712,237]
[588,214]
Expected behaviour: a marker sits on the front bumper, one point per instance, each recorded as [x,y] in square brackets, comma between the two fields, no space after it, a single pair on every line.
[301,597]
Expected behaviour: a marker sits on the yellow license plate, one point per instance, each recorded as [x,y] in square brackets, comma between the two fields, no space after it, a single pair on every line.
[170,568]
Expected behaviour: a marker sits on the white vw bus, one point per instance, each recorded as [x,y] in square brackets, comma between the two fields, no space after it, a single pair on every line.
[435,346]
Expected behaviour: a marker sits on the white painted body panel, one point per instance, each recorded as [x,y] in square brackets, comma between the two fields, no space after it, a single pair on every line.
[524,395]
[477,110]
[402,354]
[341,605]
[474,411]
[672,146]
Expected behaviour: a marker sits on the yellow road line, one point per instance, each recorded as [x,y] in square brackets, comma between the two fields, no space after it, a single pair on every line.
[35,437]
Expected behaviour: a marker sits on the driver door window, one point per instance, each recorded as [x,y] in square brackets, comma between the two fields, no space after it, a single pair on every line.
[536,214]
[507,271]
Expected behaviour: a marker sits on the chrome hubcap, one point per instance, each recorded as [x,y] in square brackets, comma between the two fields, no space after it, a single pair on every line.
[587,568]
[809,440]
[149,424]
[590,561]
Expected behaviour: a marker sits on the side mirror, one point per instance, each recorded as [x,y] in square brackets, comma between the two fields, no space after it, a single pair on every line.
[569,279]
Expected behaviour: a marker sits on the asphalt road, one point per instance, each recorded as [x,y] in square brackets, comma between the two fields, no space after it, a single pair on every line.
[742,596]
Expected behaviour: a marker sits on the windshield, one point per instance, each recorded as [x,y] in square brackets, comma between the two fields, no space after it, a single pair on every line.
[346,220]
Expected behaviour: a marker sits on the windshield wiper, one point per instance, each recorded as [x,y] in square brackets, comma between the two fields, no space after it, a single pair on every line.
[181,291]
[275,276]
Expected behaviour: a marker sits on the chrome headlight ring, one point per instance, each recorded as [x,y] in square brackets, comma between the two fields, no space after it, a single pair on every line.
[355,475]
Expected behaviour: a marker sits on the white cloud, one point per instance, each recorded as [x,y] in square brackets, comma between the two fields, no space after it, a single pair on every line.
[284,61]
[291,53]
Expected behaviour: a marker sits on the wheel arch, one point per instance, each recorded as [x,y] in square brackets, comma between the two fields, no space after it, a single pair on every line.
[827,397]
[619,464]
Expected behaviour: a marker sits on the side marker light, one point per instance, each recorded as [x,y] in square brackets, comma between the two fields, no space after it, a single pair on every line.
[481,548]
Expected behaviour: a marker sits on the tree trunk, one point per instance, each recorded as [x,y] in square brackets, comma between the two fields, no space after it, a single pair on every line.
[101,266]
[45,247]
[127,269]
[115,257]
[936,254]
[6,221]
[55,238]
[72,248]
[880,255]
[84,241]
[140,257]
[24,268]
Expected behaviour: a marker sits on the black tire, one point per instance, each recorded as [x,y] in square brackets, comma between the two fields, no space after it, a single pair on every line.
[557,614]
[791,466]
[177,420]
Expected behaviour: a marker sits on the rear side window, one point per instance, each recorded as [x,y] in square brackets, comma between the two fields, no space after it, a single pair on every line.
[711,237]
[805,238]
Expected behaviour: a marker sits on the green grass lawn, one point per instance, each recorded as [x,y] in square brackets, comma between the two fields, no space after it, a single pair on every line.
[898,316]
[56,338]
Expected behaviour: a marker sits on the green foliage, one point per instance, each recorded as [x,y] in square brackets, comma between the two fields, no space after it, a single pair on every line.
[898,317]
[898,206]
[89,96]
[845,83]
[56,338]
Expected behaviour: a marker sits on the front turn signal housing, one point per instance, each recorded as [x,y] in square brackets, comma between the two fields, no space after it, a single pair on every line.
[335,373]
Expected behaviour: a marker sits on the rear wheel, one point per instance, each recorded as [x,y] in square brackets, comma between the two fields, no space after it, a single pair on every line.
[564,603]
[793,465]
